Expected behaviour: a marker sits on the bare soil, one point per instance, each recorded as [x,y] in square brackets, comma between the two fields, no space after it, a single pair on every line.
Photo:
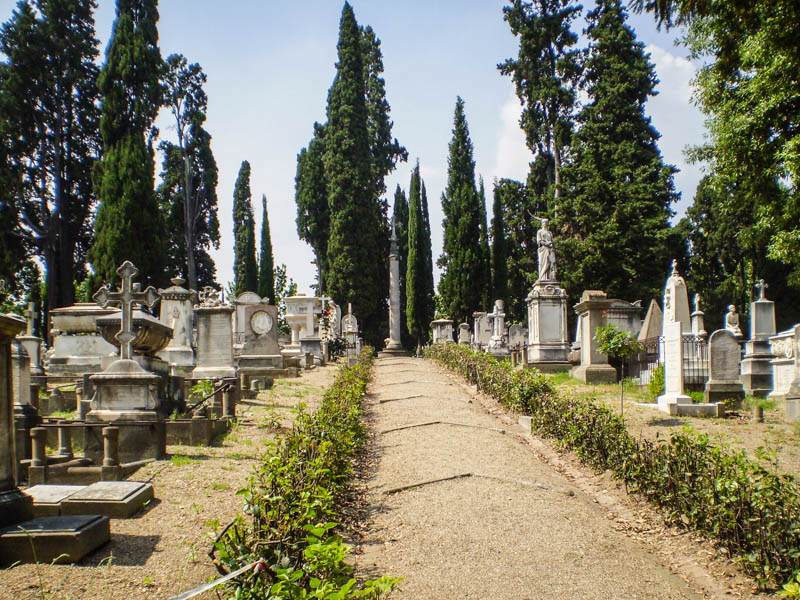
[163,550]
[462,503]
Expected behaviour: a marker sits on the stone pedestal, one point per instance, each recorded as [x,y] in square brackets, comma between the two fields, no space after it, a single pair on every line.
[756,367]
[548,345]
[782,348]
[442,331]
[594,367]
[33,346]
[792,400]
[176,312]
[482,330]
[673,369]
[723,353]
[77,345]
[214,343]
[464,334]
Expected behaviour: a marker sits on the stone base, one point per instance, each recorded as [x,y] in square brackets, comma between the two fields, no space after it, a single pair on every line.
[255,363]
[15,506]
[47,498]
[194,432]
[498,351]
[53,539]
[138,440]
[549,366]
[548,353]
[595,373]
[390,352]
[723,391]
[757,375]
[691,409]
[666,402]
[179,359]
[218,372]
[114,499]
[792,409]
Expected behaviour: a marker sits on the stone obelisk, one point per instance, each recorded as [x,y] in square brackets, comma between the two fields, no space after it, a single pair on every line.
[394,345]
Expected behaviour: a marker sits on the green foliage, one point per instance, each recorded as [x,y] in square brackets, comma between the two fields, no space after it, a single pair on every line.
[617,343]
[293,497]
[128,224]
[752,511]
[614,218]
[201,389]
[791,589]
[400,221]
[499,256]
[266,271]
[245,267]
[284,288]
[188,192]
[49,140]
[311,197]
[419,271]
[545,74]
[486,254]
[358,229]
[463,284]
[656,385]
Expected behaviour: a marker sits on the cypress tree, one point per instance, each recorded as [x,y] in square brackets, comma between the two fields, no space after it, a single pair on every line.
[357,229]
[463,282]
[486,256]
[245,268]
[419,272]
[400,220]
[266,272]
[522,260]
[311,197]
[499,254]
[615,220]
[128,225]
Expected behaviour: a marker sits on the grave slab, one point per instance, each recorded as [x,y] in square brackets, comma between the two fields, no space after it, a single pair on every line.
[115,499]
[47,498]
[53,539]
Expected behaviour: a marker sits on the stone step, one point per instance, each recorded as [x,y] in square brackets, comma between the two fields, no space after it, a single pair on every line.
[53,539]
[114,499]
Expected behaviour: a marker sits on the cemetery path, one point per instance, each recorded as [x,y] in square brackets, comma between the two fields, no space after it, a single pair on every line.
[463,504]
[163,551]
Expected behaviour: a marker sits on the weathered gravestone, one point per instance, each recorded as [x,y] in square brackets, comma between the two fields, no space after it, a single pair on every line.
[464,335]
[673,368]
[32,343]
[257,335]
[792,401]
[516,337]
[782,347]
[653,322]
[594,367]
[482,330]
[78,347]
[176,311]
[442,331]
[214,337]
[756,365]
[676,302]
[724,354]
[498,345]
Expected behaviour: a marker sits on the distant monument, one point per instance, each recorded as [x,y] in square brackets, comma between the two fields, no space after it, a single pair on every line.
[394,345]
[547,253]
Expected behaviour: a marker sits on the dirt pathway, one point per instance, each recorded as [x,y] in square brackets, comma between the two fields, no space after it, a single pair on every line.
[461,506]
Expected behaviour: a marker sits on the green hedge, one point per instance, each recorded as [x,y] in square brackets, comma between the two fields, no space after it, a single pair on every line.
[292,501]
[753,512]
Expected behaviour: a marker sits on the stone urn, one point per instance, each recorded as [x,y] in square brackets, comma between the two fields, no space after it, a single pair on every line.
[151,334]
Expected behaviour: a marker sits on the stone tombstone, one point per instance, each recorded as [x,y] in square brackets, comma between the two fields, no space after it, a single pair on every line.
[256,325]
[498,343]
[653,322]
[516,337]
[673,368]
[302,313]
[625,316]
[176,312]
[548,342]
[676,301]
[32,343]
[724,354]
[482,331]
[26,417]
[757,363]
[792,398]
[782,348]
[594,367]
[78,346]
[442,331]
[732,321]
[214,337]
[698,322]
[464,334]
[240,323]
[350,333]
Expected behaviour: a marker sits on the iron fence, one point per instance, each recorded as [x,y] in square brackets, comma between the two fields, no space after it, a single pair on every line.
[641,366]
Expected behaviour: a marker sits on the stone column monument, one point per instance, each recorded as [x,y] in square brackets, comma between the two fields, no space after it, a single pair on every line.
[757,366]
[676,302]
[594,367]
[394,345]
[176,311]
[548,344]
[32,343]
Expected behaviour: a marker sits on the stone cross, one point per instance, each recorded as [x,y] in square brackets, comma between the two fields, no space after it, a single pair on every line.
[125,297]
[761,285]
[30,315]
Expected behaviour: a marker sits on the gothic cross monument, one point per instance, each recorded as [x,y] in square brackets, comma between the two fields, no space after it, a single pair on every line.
[761,285]
[125,297]
[30,315]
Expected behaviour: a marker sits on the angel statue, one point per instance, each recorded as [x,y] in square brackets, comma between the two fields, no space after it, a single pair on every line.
[547,253]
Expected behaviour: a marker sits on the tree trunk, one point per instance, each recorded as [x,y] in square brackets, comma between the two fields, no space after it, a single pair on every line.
[557,171]
[189,218]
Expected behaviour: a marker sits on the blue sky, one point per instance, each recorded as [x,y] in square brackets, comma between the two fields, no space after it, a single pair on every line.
[270,64]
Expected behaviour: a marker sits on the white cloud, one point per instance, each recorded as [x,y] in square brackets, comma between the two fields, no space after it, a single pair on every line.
[512,155]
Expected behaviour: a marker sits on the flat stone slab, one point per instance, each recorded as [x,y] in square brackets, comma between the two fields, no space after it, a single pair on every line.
[47,498]
[115,499]
[53,539]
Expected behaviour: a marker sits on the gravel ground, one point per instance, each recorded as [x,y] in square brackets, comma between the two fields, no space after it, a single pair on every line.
[163,550]
[508,517]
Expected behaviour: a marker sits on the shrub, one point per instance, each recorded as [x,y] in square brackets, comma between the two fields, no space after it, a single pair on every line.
[752,511]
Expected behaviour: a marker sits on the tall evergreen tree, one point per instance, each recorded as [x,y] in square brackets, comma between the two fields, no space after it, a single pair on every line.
[499,255]
[266,271]
[358,228]
[311,197]
[463,282]
[128,225]
[545,73]
[49,129]
[196,175]
[400,220]
[245,267]
[614,225]
[419,271]
[486,256]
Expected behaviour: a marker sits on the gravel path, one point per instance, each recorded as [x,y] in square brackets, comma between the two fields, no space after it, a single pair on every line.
[461,506]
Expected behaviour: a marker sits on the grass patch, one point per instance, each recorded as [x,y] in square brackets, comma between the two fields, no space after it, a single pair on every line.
[562,378]
[180,460]
[220,486]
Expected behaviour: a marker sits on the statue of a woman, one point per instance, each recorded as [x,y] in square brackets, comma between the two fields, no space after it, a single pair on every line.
[547,253]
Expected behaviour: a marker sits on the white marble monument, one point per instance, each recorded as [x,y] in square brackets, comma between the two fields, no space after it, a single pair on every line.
[757,363]
[214,337]
[176,312]
[673,369]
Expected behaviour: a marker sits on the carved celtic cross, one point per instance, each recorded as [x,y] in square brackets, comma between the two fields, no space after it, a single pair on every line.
[125,297]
